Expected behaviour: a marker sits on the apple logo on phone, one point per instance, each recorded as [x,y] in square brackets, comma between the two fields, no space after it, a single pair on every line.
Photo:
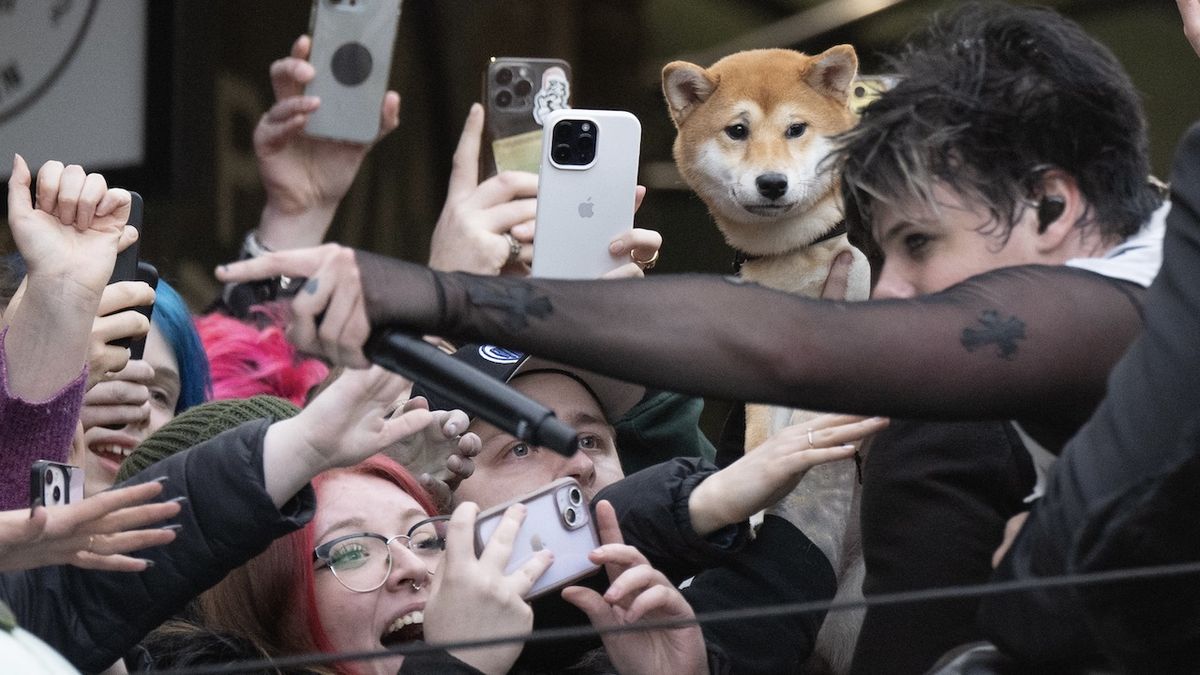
[535,543]
[585,208]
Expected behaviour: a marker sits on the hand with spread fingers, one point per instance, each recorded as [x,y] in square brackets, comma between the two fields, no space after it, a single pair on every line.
[333,292]
[94,533]
[638,592]
[441,454]
[484,228]
[766,474]
[495,600]
[305,177]
[346,423]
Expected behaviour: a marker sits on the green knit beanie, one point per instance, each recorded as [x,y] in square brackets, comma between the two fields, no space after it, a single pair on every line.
[200,423]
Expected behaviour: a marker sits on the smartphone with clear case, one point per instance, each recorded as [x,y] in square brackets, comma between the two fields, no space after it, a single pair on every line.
[587,179]
[352,44]
[557,518]
[54,483]
[518,93]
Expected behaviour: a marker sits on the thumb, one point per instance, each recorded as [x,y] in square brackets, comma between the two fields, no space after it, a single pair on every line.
[599,612]
[19,199]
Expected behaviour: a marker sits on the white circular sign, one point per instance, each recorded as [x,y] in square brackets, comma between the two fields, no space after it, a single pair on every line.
[38,38]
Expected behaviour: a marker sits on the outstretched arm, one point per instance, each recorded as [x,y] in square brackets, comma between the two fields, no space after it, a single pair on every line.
[1029,342]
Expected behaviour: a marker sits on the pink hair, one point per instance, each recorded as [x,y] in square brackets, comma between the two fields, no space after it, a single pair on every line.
[246,360]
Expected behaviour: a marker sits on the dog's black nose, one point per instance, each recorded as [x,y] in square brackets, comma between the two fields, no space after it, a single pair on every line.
[772,185]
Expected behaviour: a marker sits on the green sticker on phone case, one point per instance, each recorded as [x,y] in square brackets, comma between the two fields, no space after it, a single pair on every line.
[522,152]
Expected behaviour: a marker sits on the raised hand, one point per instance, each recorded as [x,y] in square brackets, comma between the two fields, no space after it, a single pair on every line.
[92,533]
[305,177]
[333,291]
[470,235]
[69,241]
[766,474]
[472,597]
[346,423]
[638,592]
[441,454]
[76,228]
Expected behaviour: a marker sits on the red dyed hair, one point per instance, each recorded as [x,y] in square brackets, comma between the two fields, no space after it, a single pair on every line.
[271,600]
[246,360]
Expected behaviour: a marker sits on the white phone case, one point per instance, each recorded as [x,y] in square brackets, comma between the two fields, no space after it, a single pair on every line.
[352,43]
[581,209]
[545,527]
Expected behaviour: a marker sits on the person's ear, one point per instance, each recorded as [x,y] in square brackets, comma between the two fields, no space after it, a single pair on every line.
[1058,207]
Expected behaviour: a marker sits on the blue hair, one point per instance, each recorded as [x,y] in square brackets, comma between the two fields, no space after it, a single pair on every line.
[172,318]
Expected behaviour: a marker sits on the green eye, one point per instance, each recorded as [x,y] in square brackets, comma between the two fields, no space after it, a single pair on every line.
[348,556]
[520,450]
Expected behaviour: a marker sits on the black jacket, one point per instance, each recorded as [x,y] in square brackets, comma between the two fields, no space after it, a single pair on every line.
[93,617]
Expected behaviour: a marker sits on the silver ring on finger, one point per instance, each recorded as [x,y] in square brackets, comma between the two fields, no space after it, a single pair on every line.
[514,249]
[811,443]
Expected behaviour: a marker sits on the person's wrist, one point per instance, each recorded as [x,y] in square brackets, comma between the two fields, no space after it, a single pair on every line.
[700,507]
[62,292]
[286,226]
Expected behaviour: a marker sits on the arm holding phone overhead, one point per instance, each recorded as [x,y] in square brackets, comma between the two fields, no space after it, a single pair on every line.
[69,240]
[305,176]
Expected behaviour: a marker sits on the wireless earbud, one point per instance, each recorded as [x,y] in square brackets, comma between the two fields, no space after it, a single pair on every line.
[1048,211]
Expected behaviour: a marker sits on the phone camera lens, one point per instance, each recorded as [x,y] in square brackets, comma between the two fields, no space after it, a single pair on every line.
[504,76]
[575,496]
[49,478]
[57,496]
[504,99]
[562,131]
[569,515]
[586,144]
[561,153]
[859,91]
[522,88]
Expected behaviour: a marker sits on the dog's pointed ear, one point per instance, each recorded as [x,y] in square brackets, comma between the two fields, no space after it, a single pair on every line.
[832,71]
[685,85]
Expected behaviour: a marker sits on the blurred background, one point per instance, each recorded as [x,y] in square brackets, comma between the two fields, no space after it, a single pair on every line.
[162,97]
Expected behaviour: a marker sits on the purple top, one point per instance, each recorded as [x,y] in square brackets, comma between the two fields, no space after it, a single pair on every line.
[33,430]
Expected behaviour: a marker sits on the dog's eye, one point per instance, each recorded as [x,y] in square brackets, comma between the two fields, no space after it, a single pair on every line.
[737,131]
[796,130]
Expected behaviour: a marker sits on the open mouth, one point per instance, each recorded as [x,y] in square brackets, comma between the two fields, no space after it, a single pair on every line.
[406,628]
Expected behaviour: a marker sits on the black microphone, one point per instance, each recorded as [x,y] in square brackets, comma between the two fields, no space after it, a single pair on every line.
[497,403]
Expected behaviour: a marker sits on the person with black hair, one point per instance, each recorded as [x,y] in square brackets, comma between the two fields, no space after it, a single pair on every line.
[946,196]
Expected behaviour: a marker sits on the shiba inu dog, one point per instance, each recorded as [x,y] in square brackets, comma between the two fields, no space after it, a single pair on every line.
[754,130]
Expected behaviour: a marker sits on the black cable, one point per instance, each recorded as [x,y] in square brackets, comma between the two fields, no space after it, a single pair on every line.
[556,634]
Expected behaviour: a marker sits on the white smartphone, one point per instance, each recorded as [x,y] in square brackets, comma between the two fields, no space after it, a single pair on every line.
[352,43]
[557,518]
[588,176]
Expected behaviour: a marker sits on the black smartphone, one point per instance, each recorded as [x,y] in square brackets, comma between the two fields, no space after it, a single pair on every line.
[518,93]
[53,483]
[149,274]
[126,267]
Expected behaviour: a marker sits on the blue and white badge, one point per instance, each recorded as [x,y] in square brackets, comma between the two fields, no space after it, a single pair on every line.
[500,355]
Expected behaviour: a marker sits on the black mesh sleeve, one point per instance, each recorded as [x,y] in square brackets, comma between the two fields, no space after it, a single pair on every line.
[1030,343]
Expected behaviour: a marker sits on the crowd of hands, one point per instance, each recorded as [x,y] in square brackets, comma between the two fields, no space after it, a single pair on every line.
[69,232]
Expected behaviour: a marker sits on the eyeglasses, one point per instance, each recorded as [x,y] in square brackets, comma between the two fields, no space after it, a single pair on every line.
[362,562]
